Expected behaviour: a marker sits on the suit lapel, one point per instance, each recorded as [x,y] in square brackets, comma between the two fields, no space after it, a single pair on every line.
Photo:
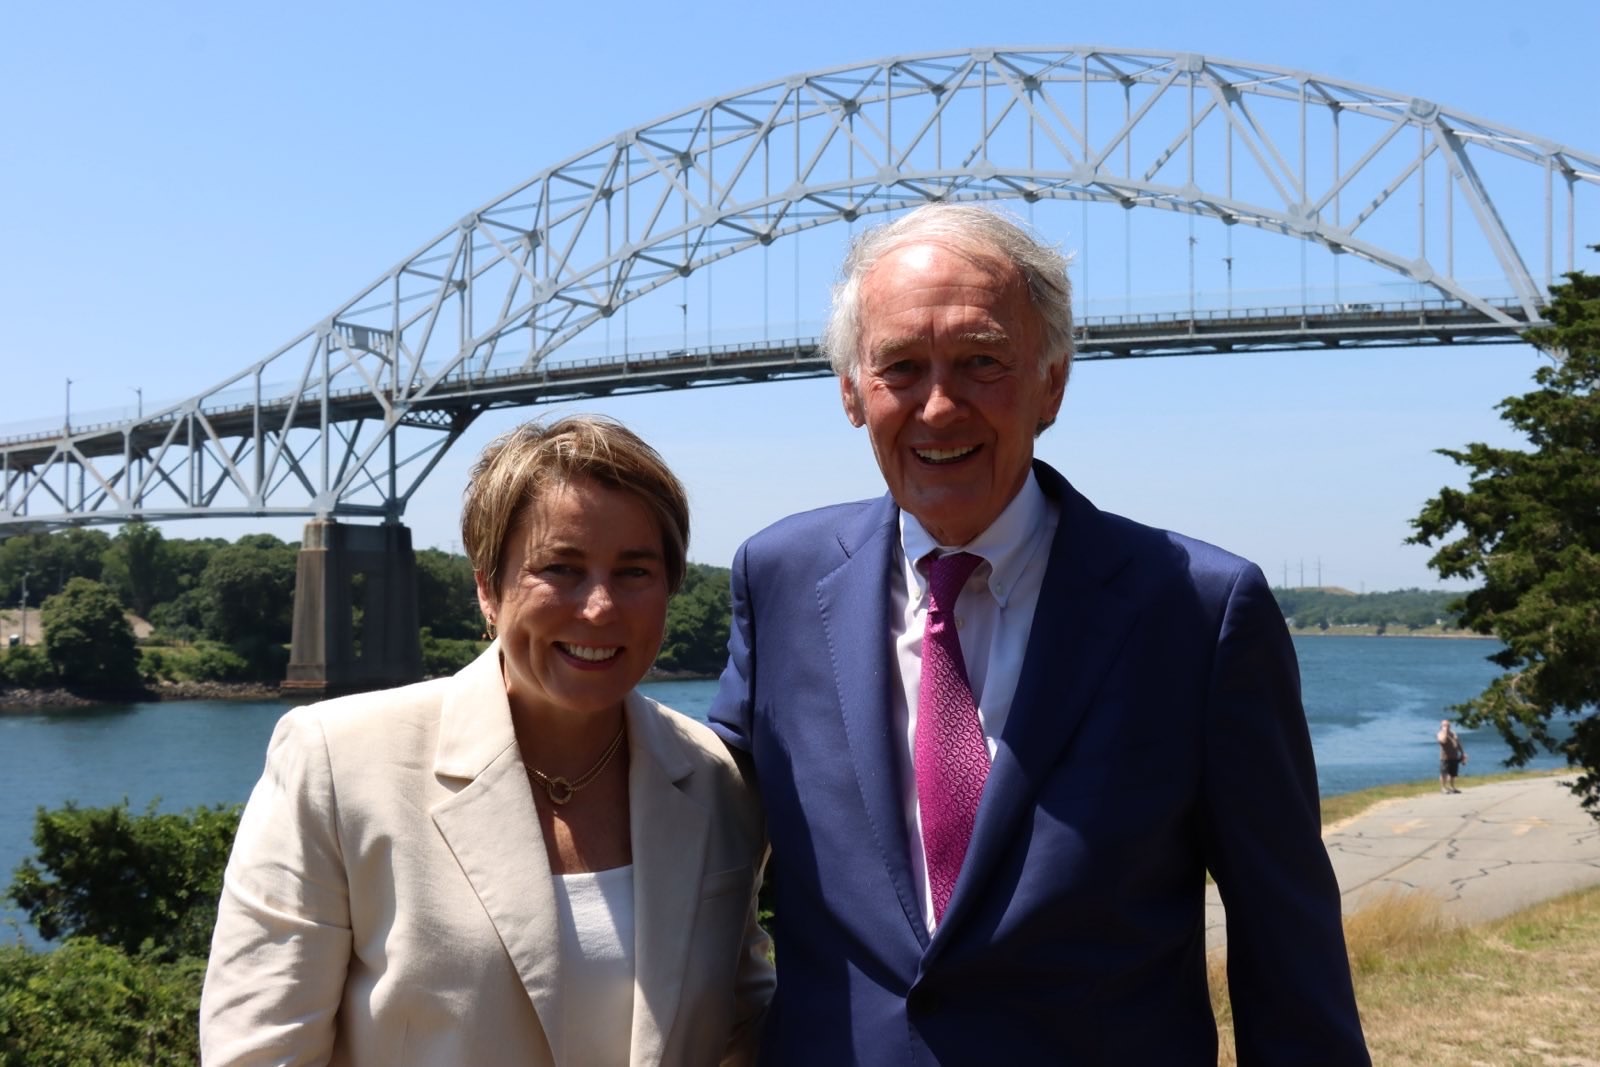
[855,607]
[670,831]
[493,831]
[1077,627]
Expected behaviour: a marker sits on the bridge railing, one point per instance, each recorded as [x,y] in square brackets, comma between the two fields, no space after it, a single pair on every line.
[274,397]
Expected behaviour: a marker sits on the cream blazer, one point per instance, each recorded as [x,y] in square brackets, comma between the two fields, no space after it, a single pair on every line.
[389,900]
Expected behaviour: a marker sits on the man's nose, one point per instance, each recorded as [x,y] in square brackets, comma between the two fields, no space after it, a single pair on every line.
[943,404]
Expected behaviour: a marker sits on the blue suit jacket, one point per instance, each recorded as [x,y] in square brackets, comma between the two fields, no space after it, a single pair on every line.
[1156,732]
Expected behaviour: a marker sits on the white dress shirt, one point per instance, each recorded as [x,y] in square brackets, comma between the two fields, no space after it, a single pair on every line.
[994,615]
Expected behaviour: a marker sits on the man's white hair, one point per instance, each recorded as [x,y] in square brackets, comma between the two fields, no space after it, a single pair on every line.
[976,231]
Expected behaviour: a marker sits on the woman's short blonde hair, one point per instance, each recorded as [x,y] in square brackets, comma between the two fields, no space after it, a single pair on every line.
[519,468]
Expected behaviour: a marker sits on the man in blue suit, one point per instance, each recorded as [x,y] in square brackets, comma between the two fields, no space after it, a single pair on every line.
[1002,735]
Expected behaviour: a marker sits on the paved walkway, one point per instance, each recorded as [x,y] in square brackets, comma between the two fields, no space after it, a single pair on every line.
[1482,853]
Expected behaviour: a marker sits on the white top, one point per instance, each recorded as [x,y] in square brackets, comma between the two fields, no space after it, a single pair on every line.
[994,615]
[595,999]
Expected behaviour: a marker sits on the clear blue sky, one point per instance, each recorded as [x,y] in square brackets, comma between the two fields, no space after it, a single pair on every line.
[184,186]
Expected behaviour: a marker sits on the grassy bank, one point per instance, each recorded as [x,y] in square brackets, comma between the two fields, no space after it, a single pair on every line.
[1434,993]
[1520,990]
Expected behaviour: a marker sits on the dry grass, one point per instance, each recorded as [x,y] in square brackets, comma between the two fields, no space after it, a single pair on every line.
[1519,991]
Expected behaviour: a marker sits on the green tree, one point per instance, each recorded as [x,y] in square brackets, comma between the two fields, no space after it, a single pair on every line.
[247,591]
[87,638]
[697,622]
[19,557]
[139,567]
[180,618]
[87,1003]
[1528,527]
[142,883]
[49,561]
[73,554]
[189,557]
[447,596]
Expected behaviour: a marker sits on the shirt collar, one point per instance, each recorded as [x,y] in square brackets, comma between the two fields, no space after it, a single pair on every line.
[1006,546]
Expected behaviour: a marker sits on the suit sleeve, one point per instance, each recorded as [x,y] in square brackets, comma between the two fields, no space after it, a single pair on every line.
[731,708]
[281,947]
[1288,974]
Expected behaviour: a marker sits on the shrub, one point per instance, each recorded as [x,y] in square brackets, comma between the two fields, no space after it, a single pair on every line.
[27,667]
[443,655]
[88,1003]
[145,882]
[179,618]
[152,665]
[204,661]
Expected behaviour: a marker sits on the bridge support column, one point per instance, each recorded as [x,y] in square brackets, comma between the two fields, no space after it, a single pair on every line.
[333,651]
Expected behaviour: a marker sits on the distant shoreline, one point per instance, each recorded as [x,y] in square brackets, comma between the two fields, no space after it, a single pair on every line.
[1372,631]
[14,699]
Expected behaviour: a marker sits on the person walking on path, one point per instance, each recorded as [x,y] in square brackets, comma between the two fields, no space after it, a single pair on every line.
[1451,756]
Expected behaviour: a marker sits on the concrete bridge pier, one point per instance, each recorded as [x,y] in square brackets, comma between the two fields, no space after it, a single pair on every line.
[331,650]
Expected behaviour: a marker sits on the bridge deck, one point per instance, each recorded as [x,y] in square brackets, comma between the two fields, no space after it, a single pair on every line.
[1098,338]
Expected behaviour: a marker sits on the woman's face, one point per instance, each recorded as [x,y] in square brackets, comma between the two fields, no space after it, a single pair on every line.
[582,600]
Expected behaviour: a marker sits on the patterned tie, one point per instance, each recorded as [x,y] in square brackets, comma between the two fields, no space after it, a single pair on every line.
[951,756]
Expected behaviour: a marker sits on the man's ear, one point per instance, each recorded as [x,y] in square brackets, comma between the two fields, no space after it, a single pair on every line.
[1056,387]
[1055,384]
[850,396]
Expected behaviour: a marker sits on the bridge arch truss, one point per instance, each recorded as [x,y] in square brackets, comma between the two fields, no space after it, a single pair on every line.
[349,417]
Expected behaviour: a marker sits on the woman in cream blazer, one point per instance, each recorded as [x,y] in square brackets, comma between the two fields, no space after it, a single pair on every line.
[392,894]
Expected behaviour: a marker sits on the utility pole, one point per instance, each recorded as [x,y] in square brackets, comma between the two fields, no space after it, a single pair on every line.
[24,608]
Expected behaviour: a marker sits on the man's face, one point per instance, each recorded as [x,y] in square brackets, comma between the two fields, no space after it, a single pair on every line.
[949,386]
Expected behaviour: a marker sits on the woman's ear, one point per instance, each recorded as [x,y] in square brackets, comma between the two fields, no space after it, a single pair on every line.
[488,600]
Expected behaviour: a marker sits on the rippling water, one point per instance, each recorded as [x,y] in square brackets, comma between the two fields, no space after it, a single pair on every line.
[1373,705]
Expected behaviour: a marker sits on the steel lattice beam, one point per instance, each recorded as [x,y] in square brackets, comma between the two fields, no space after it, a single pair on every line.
[349,417]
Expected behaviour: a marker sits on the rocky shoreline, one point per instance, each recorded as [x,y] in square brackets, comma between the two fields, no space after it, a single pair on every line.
[13,699]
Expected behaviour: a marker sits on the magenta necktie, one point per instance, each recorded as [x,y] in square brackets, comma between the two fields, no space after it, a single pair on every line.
[951,756]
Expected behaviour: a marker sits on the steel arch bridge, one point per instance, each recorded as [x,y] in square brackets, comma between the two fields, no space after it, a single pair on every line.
[349,418]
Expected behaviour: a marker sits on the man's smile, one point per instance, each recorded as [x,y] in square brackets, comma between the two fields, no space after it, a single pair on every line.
[944,455]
